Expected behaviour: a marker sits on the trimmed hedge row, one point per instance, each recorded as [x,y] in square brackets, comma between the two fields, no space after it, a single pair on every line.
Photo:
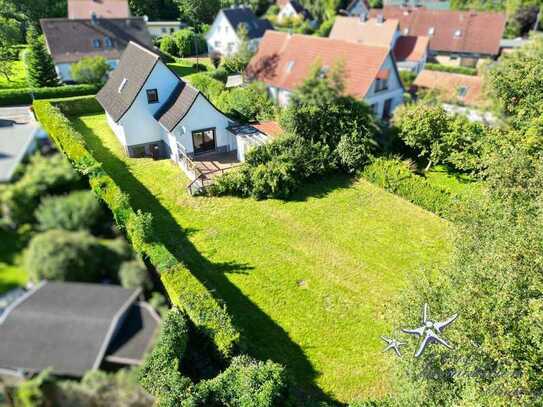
[184,290]
[394,176]
[464,70]
[24,96]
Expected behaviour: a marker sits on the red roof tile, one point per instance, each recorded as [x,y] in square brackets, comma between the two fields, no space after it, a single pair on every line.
[102,8]
[453,31]
[370,32]
[285,61]
[411,48]
[269,128]
[449,84]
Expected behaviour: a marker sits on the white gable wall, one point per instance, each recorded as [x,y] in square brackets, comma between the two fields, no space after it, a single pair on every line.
[203,115]
[139,123]
[394,91]
[358,9]
[65,74]
[287,11]
[222,37]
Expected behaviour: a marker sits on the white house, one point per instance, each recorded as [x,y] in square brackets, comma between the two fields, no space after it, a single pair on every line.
[156,114]
[69,40]
[160,28]
[292,9]
[222,36]
[284,61]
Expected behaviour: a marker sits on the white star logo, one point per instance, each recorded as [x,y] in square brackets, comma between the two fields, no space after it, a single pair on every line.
[430,331]
[393,344]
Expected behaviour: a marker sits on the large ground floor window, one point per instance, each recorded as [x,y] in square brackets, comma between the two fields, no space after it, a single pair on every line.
[203,140]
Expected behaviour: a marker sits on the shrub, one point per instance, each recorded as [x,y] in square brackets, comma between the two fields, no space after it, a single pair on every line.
[210,87]
[91,70]
[76,211]
[464,70]
[24,96]
[394,176]
[31,393]
[160,374]
[134,274]
[250,103]
[79,106]
[245,382]
[44,175]
[64,256]
[189,43]
[169,45]
[220,74]
[325,28]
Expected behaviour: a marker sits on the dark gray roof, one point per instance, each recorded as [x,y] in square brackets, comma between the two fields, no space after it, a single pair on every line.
[71,39]
[243,15]
[300,9]
[135,66]
[17,130]
[177,106]
[135,336]
[66,326]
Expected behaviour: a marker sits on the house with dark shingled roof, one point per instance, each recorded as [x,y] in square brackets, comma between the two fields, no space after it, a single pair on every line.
[154,113]
[223,38]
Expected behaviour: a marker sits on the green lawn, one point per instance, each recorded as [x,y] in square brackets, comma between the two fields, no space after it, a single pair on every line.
[17,79]
[11,273]
[184,66]
[455,182]
[307,281]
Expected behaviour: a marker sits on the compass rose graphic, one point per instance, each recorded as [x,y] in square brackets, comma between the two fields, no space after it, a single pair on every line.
[430,331]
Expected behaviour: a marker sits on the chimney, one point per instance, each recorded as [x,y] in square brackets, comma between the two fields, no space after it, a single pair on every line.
[94,18]
[380,19]
[363,17]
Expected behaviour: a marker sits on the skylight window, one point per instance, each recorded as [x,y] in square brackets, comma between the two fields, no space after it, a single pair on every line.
[457,34]
[290,66]
[122,85]
[431,31]
[405,31]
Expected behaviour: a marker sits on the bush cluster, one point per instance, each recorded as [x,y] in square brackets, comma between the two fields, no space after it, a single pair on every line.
[183,43]
[275,170]
[185,291]
[395,176]
[52,175]
[25,96]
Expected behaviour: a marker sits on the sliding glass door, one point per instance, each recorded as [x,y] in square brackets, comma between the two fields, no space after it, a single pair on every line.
[203,140]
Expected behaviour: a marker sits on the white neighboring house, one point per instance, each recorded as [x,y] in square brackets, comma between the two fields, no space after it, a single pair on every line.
[292,9]
[160,28]
[222,36]
[156,114]
[284,61]
[357,8]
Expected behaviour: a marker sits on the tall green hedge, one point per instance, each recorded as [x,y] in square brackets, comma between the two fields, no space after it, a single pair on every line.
[393,175]
[184,290]
[25,96]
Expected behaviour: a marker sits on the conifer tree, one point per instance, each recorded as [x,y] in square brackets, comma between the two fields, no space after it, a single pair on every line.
[39,64]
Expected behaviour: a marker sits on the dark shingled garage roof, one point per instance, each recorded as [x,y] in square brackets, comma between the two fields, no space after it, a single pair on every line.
[177,106]
[69,40]
[243,15]
[66,326]
[135,66]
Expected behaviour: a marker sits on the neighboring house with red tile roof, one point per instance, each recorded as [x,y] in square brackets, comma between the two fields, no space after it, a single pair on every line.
[455,36]
[78,9]
[452,87]
[270,128]
[410,52]
[285,61]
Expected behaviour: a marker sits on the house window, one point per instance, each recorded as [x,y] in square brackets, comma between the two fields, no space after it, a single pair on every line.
[217,44]
[96,43]
[152,96]
[230,47]
[172,30]
[431,31]
[107,42]
[387,109]
[381,85]
[375,108]
[203,140]
[462,91]
[164,30]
